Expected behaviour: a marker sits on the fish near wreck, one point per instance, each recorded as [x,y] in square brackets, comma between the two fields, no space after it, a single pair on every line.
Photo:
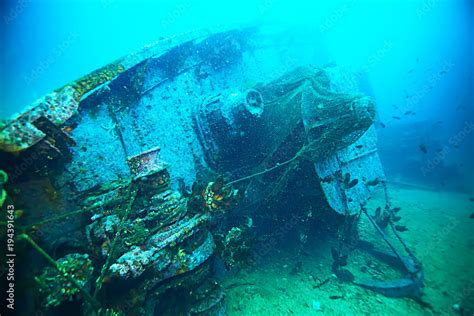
[149,156]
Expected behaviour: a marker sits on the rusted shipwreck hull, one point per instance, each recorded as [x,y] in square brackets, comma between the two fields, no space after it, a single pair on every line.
[110,164]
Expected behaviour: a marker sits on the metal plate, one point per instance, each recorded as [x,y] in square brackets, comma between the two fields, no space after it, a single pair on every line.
[362,162]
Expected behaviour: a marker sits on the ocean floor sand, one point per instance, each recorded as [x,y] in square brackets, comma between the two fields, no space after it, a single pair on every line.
[440,233]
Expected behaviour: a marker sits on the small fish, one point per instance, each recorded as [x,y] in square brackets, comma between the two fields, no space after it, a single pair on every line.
[409,113]
[396,218]
[471,199]
[377,212]
[359,146]
[423,148]
[382,125]
[373,182]
[395,106]
[396,117]
[443,72]
[328,179]
[348,183]
[410,71]
[335,297]
[472,216]
[401,228]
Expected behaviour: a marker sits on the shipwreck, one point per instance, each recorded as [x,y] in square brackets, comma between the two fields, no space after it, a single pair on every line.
[136,177]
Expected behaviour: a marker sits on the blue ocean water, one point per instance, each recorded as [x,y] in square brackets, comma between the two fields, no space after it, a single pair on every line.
[416,55]
[282,256]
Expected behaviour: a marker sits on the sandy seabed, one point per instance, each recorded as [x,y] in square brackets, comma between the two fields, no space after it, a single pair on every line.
[440,233]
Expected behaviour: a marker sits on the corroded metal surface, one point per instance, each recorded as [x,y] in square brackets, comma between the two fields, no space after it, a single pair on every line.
[146,151]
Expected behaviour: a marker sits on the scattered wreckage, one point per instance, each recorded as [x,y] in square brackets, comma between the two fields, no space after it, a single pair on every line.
[130,171]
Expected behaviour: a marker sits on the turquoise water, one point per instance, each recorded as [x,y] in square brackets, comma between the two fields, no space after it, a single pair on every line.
[238,158]
[419,49]
[49,43]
